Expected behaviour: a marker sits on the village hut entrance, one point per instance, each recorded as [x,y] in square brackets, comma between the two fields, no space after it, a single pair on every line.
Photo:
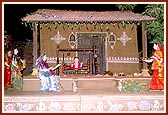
[89,40]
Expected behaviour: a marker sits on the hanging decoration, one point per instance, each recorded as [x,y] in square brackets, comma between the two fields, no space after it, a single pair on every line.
[79,25]
[123,24]
[107,27]
[40,26]
[132,26]
[46,24]
[64,26]
[68,24]
[95,23]
[112,40]
[87,26]
[29,24]
[114,24]
[101,27]
[72,27]
[49,27]
[124,38]
[72,40]
[118,26]
[56,24]
[58,38]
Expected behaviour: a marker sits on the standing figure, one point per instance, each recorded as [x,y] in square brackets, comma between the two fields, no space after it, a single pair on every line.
[157,82]
[49,80]
[17,66]
[76,64]
[7,68]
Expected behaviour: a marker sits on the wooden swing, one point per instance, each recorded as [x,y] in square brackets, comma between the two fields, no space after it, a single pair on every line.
[66,69]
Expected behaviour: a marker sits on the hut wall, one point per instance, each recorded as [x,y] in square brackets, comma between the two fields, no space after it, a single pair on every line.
[130,49]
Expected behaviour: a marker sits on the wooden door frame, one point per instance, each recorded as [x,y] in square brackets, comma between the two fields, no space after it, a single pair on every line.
[105,47]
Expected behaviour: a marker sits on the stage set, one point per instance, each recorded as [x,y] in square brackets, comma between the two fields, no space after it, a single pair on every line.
[111,78]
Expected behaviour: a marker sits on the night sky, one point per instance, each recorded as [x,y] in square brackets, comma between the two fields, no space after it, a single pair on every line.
[14,12]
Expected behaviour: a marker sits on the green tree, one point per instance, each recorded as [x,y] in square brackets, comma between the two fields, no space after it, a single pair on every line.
[124,7]
[155,29]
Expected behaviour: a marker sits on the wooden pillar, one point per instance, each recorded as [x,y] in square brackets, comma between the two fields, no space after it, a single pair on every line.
[144,43]
[35,45]
[95,59]
[144,49]
[57,55]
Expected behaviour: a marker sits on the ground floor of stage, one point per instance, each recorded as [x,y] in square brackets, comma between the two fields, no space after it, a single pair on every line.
[87,98]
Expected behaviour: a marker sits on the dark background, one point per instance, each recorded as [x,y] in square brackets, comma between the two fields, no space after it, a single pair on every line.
[14,12]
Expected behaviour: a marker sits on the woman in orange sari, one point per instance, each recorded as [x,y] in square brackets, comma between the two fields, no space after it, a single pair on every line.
[157,82]
[7,68]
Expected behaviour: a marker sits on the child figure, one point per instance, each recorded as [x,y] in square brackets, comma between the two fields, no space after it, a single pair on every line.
[76,64]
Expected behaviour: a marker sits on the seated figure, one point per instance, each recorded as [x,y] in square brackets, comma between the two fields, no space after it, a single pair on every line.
[76,64]
[49,80]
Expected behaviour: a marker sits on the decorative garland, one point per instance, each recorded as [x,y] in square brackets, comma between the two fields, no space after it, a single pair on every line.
[31,25]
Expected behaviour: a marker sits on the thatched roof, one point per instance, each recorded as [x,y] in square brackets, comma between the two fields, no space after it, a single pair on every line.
[48,15]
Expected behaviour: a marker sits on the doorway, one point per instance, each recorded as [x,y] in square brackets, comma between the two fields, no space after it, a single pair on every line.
[87,40]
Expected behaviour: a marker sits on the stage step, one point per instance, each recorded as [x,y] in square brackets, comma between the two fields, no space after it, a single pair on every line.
[32,83]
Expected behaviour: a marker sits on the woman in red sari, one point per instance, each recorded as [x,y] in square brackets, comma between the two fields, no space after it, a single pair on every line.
[7,68]
[157,82]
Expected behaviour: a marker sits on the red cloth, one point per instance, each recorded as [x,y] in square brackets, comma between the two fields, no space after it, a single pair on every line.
[73,66]
[7,72]
[157,82]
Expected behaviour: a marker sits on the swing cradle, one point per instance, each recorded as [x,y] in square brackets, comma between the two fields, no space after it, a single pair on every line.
[86,68]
